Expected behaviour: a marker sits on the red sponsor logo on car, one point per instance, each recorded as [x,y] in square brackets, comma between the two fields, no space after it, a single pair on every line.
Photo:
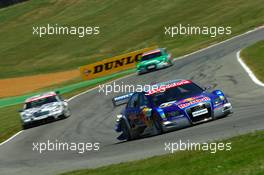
[168,86]
[184,105]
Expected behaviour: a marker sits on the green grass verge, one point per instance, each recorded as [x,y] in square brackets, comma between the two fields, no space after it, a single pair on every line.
[125,26]
[9,121]
[253,56]
[245,158]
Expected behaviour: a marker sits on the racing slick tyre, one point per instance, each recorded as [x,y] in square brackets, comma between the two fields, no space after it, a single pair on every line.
[66,114]
[170,63]
[157,125]
[125,130]
[25,126]
[139,73]
[228,114]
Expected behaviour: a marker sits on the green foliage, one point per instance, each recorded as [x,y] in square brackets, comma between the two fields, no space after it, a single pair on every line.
[254,58]
[124,26]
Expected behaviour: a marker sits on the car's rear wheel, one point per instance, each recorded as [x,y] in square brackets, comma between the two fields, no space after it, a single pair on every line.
[157,125]
[125,130]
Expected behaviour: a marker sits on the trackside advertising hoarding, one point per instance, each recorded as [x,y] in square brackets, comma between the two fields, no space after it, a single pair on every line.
[112,65]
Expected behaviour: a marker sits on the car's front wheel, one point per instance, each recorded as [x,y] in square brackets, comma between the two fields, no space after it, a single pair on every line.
[66,114]
[25,126]
[170,63]
[139,73]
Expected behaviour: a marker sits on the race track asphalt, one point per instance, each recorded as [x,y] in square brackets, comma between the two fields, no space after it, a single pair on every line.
[93,116]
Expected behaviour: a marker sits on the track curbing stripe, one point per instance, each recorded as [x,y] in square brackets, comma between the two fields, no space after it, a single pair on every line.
[10,138]
[248,70]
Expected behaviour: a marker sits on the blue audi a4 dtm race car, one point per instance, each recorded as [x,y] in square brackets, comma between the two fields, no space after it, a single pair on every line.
[168,106]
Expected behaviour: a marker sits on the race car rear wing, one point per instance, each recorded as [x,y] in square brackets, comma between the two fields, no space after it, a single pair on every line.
[122,99]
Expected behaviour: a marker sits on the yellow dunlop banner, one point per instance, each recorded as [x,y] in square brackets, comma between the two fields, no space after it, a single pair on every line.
[112,65]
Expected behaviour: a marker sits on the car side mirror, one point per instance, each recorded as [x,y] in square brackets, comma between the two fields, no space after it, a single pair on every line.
[207,88]
[142,107]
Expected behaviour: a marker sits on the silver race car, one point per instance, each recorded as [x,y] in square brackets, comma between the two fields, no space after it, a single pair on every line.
[43,107]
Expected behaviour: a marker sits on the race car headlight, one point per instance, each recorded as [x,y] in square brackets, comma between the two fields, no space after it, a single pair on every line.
[222,97]
[57,108]
[172,114]
[25,116]
[217,101]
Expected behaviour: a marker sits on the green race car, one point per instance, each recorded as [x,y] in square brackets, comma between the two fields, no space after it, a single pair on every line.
[153,60]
